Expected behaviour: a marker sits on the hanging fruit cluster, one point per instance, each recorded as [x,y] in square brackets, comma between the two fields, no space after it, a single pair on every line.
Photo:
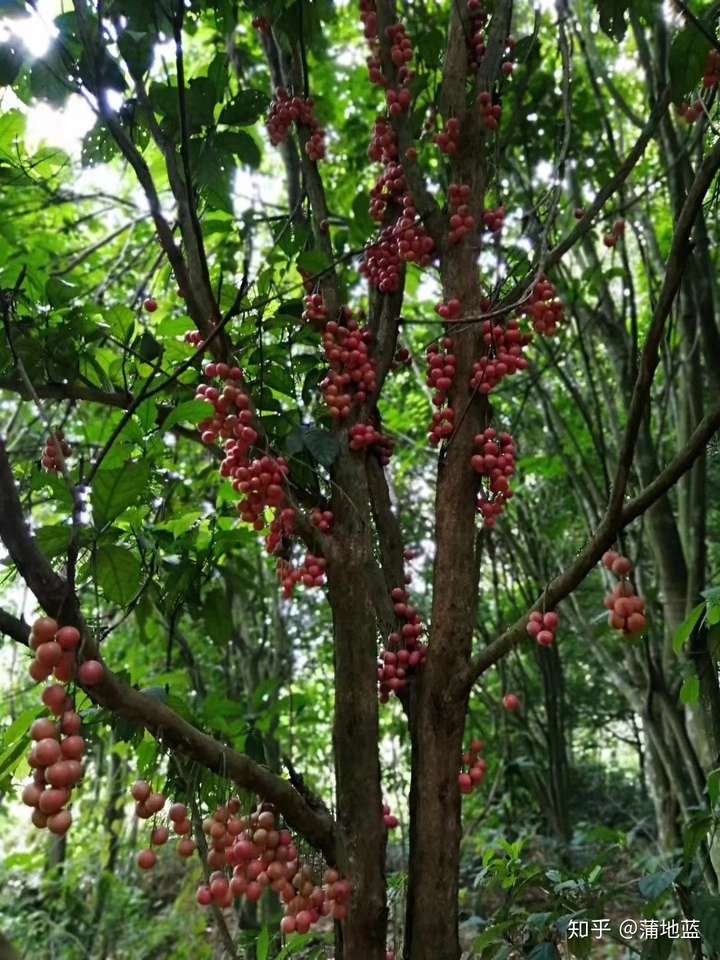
[149,804]
[626,608]
[441,364]
[404,652]
[495,460]
[286,110]
[58,748]
[473,768]
[351,376]
[56,451]
[542,626]
[543,307]
[505,345]
[262,854]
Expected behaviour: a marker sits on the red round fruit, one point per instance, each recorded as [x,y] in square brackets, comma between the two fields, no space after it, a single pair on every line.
[203,896]
[140,791]
[60,774]
[31,794]
[49,654]
[43,728]
[59,823]
[54,698]
[44,629]
[72,747]
[511,702]
[70,723]
[90,673]
[178,811]
[47,751]
[186,847]
[155,802]
[53,800]
[146,859]
[38,672]
[150,305]
[68,638]
[159,836]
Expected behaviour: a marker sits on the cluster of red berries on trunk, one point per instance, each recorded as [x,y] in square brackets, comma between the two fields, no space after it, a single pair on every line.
[364,435]
[403,653]
[505,346]
[311,573]
[490,112]
[382,265]
[495,460]
[473,767]
[542,626]
[58,748]
[56,451]
[441,363]
[447,140]
[462,221]
[368,15]
[626,608]
[149,804]
[262,854]
[286,110]
[691,111]
[351,376]
[315,310]
[322,519]
[543,307]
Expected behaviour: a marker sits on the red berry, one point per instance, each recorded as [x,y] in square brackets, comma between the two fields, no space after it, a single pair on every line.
[150,305]
[147,859]
[90,673]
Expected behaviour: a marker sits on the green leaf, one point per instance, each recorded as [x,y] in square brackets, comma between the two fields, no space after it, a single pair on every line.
[191,411]
[117,572]
[49,76]
[713,786]
[217,615]
[322,444]
[690,690]
[312,262]
[239,144]
[115,490]
[54,540]
[656,883]
[694,833]
[59,292]
[262,944]
[688,54]
[98,146]
[686,628]
[244,109]
[612,17]
[137,49]
[706,909]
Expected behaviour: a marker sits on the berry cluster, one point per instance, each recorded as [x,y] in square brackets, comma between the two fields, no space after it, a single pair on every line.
[57,449]
[627,609]
[389,819]
[542,626]
[618,230]
[711,74]
[403,653]
[231,408]
[368,15]
[382,264]
[401,358]
[490,112]
[691,111]
[476,39]
[493,220]
[473,767]
[495,460]
[315,310]
[261,482]
[390,187]
[311,573]
[322,519]
[461,220]
[450,310]
[397,101]
[447,140]
[364,435]
[543,307]
[351,367]
[441,373]
[263,854]
[261,24]
[401,50]
[505,346]
[286,110]
[58,748]
[149,804]
[383,146]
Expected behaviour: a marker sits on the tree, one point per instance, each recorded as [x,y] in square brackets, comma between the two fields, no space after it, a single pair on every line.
[194,319]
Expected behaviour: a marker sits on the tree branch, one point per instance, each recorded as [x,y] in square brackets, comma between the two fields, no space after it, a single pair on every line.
[17,630]
[116,695]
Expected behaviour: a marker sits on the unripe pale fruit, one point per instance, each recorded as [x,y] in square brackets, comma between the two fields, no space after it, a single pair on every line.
[90,672]
[146,859]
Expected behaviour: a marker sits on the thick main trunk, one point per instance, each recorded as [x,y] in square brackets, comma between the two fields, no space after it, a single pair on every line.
[437,718]
[361,853]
